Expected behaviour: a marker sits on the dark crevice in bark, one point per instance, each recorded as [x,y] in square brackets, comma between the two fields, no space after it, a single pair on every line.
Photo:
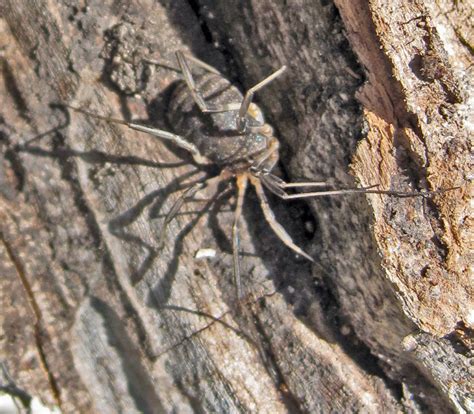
[206,31]
[221,45]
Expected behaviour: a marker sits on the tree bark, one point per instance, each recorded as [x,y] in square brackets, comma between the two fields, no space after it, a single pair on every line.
[97,318]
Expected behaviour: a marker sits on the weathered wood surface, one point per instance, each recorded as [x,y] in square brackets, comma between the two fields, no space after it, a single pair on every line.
[95,318]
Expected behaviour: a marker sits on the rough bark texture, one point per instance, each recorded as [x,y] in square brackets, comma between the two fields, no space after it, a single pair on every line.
[95,318]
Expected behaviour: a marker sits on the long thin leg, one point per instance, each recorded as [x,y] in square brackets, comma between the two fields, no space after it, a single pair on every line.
[187,193]
[244,107]
[277,186]
[364,190]
[283,184]
[307,184]
[270,217]
[188,56]
[159,133]
[242,181]
[195,93]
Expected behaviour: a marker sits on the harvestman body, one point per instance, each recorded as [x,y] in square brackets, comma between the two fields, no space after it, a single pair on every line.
[218,125]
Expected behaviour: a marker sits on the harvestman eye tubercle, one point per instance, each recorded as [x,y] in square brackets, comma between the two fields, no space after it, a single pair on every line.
[226,129]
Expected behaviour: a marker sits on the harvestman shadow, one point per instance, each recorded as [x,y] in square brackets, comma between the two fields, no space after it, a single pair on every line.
[160,293]
[94,157]
[156,199]
[117,225]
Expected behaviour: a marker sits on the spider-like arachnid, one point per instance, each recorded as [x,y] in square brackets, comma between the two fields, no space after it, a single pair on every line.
[218,125]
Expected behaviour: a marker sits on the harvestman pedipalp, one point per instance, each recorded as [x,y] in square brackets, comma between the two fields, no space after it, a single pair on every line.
[226,129]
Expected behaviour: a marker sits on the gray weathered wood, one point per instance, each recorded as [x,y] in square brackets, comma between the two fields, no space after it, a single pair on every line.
[95,318]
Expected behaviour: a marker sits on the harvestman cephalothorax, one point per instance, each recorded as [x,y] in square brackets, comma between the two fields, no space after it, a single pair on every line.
[226,129]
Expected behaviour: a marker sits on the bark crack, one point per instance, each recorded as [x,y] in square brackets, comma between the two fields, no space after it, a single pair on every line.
[40,333]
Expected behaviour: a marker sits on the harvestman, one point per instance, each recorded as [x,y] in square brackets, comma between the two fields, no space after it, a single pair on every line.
[218,126]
